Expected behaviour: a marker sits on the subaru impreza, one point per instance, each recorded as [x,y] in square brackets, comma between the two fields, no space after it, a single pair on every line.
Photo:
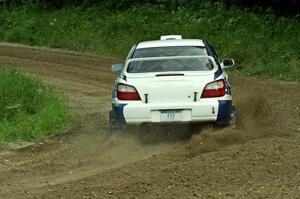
[172,80]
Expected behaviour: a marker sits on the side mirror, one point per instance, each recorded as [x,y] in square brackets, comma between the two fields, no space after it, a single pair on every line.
[227,63]
[117,68]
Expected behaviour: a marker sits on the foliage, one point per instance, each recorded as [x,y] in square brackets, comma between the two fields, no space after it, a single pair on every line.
[264,44]
[289,7]
[28,109]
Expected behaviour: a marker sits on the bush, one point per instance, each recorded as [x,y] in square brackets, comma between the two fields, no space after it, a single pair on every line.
[264,44]
[281,7]
[28,109]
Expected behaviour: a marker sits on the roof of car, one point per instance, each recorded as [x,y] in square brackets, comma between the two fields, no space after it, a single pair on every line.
[173,42]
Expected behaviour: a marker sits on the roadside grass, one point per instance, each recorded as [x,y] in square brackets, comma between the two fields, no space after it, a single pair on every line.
[28,109]
[265,45]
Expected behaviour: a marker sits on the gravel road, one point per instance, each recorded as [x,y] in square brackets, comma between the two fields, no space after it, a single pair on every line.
[259,159]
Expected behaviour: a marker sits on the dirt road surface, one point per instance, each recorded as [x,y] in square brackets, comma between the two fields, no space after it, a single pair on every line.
[259,159]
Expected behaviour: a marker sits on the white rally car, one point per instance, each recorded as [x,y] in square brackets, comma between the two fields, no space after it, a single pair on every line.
[171,80]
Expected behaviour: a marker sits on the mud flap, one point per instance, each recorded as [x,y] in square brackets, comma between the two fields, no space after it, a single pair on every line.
[225,112]
[114,125]
[232,122]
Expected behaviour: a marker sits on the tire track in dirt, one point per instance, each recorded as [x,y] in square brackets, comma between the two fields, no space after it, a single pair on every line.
[84,163]
[87,81]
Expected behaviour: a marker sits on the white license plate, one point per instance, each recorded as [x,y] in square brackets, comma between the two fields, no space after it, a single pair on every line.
[170,115]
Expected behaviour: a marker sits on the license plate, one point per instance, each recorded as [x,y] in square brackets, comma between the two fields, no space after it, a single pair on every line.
[170,115]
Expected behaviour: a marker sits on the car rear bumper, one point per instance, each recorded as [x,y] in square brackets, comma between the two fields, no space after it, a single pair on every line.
[205,110]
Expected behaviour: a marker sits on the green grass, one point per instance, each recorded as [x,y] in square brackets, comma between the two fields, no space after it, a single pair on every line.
[265,45]
[28,109]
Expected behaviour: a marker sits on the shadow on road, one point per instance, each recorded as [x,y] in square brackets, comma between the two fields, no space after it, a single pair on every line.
[153,134]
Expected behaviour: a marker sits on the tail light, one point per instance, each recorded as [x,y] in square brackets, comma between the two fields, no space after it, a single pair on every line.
[214,89]
[126,92]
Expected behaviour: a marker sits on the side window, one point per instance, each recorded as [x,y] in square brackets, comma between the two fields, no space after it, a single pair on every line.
[214,53]
[211,51]
[131,52]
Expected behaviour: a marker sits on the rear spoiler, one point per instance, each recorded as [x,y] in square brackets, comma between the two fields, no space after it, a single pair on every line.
[166,58]
[170,57]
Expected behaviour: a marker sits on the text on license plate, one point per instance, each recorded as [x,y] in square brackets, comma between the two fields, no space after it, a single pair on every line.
[170,115]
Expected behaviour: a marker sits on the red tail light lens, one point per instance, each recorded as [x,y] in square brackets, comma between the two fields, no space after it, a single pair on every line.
[126,92]
[214,89]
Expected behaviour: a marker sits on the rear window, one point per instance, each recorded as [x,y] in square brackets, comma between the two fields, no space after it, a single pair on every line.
[169,51]
[171,64]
